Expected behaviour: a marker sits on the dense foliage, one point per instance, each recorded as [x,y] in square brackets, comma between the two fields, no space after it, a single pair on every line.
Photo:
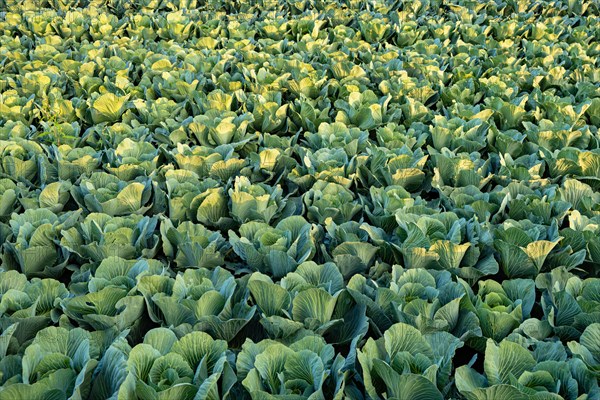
[299,199]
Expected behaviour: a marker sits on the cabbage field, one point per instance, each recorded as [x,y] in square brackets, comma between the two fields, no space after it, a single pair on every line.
[299,199]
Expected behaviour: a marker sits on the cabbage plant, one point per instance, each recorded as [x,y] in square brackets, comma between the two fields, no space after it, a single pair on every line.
[274,250]
[194,366]
[33,248]
[308,368]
